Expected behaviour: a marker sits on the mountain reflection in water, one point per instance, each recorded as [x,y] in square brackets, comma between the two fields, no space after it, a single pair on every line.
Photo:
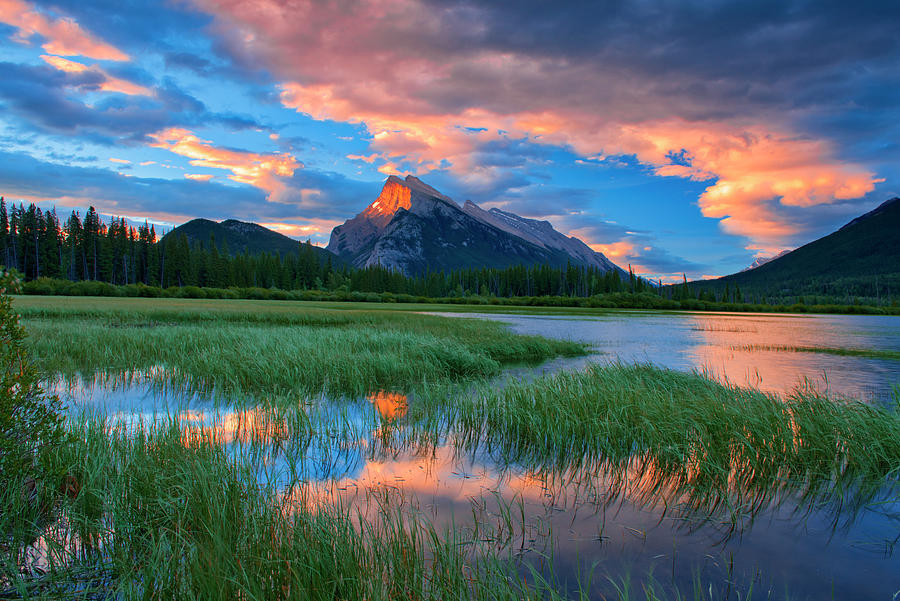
[632,516]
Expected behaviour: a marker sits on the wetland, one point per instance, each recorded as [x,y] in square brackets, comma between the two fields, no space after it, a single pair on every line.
[242,449]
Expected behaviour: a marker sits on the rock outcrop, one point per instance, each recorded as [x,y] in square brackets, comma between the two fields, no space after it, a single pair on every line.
[413,228]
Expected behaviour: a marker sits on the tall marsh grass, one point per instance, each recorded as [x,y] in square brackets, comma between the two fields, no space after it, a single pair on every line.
[243,348]
[721,444]
[159,516]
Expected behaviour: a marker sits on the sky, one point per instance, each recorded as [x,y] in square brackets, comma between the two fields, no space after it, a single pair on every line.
[679,137]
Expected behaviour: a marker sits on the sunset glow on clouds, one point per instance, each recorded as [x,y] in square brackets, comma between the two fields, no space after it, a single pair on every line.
[682,138]
[107,83]
[264,171]
[62,35]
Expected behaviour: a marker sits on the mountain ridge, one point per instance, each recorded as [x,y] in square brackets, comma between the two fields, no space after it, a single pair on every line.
[861,258]
[242,236]
[414,228]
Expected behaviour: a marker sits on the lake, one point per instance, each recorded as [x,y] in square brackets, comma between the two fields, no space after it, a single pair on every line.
[747,349]
[607,520]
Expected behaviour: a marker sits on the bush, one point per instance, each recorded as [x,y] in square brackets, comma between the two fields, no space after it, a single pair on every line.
[30,419]
[92,288]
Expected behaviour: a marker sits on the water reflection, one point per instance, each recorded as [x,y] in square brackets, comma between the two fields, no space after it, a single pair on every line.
[725,346]
[633,516]
[390,405]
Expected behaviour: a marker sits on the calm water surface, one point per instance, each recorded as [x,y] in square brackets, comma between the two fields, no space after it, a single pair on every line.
[744,348]
[614,521]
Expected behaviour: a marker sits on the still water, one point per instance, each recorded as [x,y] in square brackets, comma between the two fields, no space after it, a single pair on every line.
[746,349]
[610,521]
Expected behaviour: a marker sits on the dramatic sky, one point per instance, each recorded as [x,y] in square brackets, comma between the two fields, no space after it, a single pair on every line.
[675,136]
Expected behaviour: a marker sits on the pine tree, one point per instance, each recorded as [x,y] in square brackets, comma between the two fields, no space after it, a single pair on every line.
[4,233]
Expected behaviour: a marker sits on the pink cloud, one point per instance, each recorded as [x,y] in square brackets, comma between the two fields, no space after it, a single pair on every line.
[308,228]
[615,250]
[264,171]
[428,103]
[109,84]
[366,159]
[199,177]
[63,35]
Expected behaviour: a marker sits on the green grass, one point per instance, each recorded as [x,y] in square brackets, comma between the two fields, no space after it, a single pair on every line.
[162,516]
[828,350]
[155,516]
[270,348]
[720,444]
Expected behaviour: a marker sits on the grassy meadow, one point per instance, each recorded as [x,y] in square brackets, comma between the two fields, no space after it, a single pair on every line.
[150,512]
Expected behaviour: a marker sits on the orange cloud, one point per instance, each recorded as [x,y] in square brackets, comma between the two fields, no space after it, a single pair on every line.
[366,159]
[198,177]
[63,35]
[308,229]
[614,250]
[429,107]
[757,172]
[260,170]
[753,169]
[109,84]
[120,161]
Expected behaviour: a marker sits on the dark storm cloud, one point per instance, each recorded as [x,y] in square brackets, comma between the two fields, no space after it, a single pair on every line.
[712,59]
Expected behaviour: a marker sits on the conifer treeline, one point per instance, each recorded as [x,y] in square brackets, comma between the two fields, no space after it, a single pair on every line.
[39,245]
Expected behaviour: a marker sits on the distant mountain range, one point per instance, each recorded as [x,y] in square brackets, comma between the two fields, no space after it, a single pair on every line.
[763,260]
[413,228]
[860,259]
[242,237]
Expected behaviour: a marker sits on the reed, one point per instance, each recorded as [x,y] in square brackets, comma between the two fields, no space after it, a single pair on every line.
[722,443]
[258,348]
[828,350]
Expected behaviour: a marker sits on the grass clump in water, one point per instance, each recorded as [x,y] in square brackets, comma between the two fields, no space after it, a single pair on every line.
[828,350]
[721,443]
[161,516]
[258,348]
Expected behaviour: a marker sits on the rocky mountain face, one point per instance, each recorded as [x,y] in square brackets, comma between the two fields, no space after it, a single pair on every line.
[541,233]
[413,228]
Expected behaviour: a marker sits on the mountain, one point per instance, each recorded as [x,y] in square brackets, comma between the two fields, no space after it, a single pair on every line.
[540,233]
[241,237]
[413,228]
[860,259]
[763,260]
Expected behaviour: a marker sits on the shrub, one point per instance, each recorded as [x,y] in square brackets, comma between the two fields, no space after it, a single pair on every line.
[30,419]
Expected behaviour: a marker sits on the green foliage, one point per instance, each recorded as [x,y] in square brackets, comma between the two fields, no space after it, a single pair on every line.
[29,418]
[716,442]
[255,347]
[857,264]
